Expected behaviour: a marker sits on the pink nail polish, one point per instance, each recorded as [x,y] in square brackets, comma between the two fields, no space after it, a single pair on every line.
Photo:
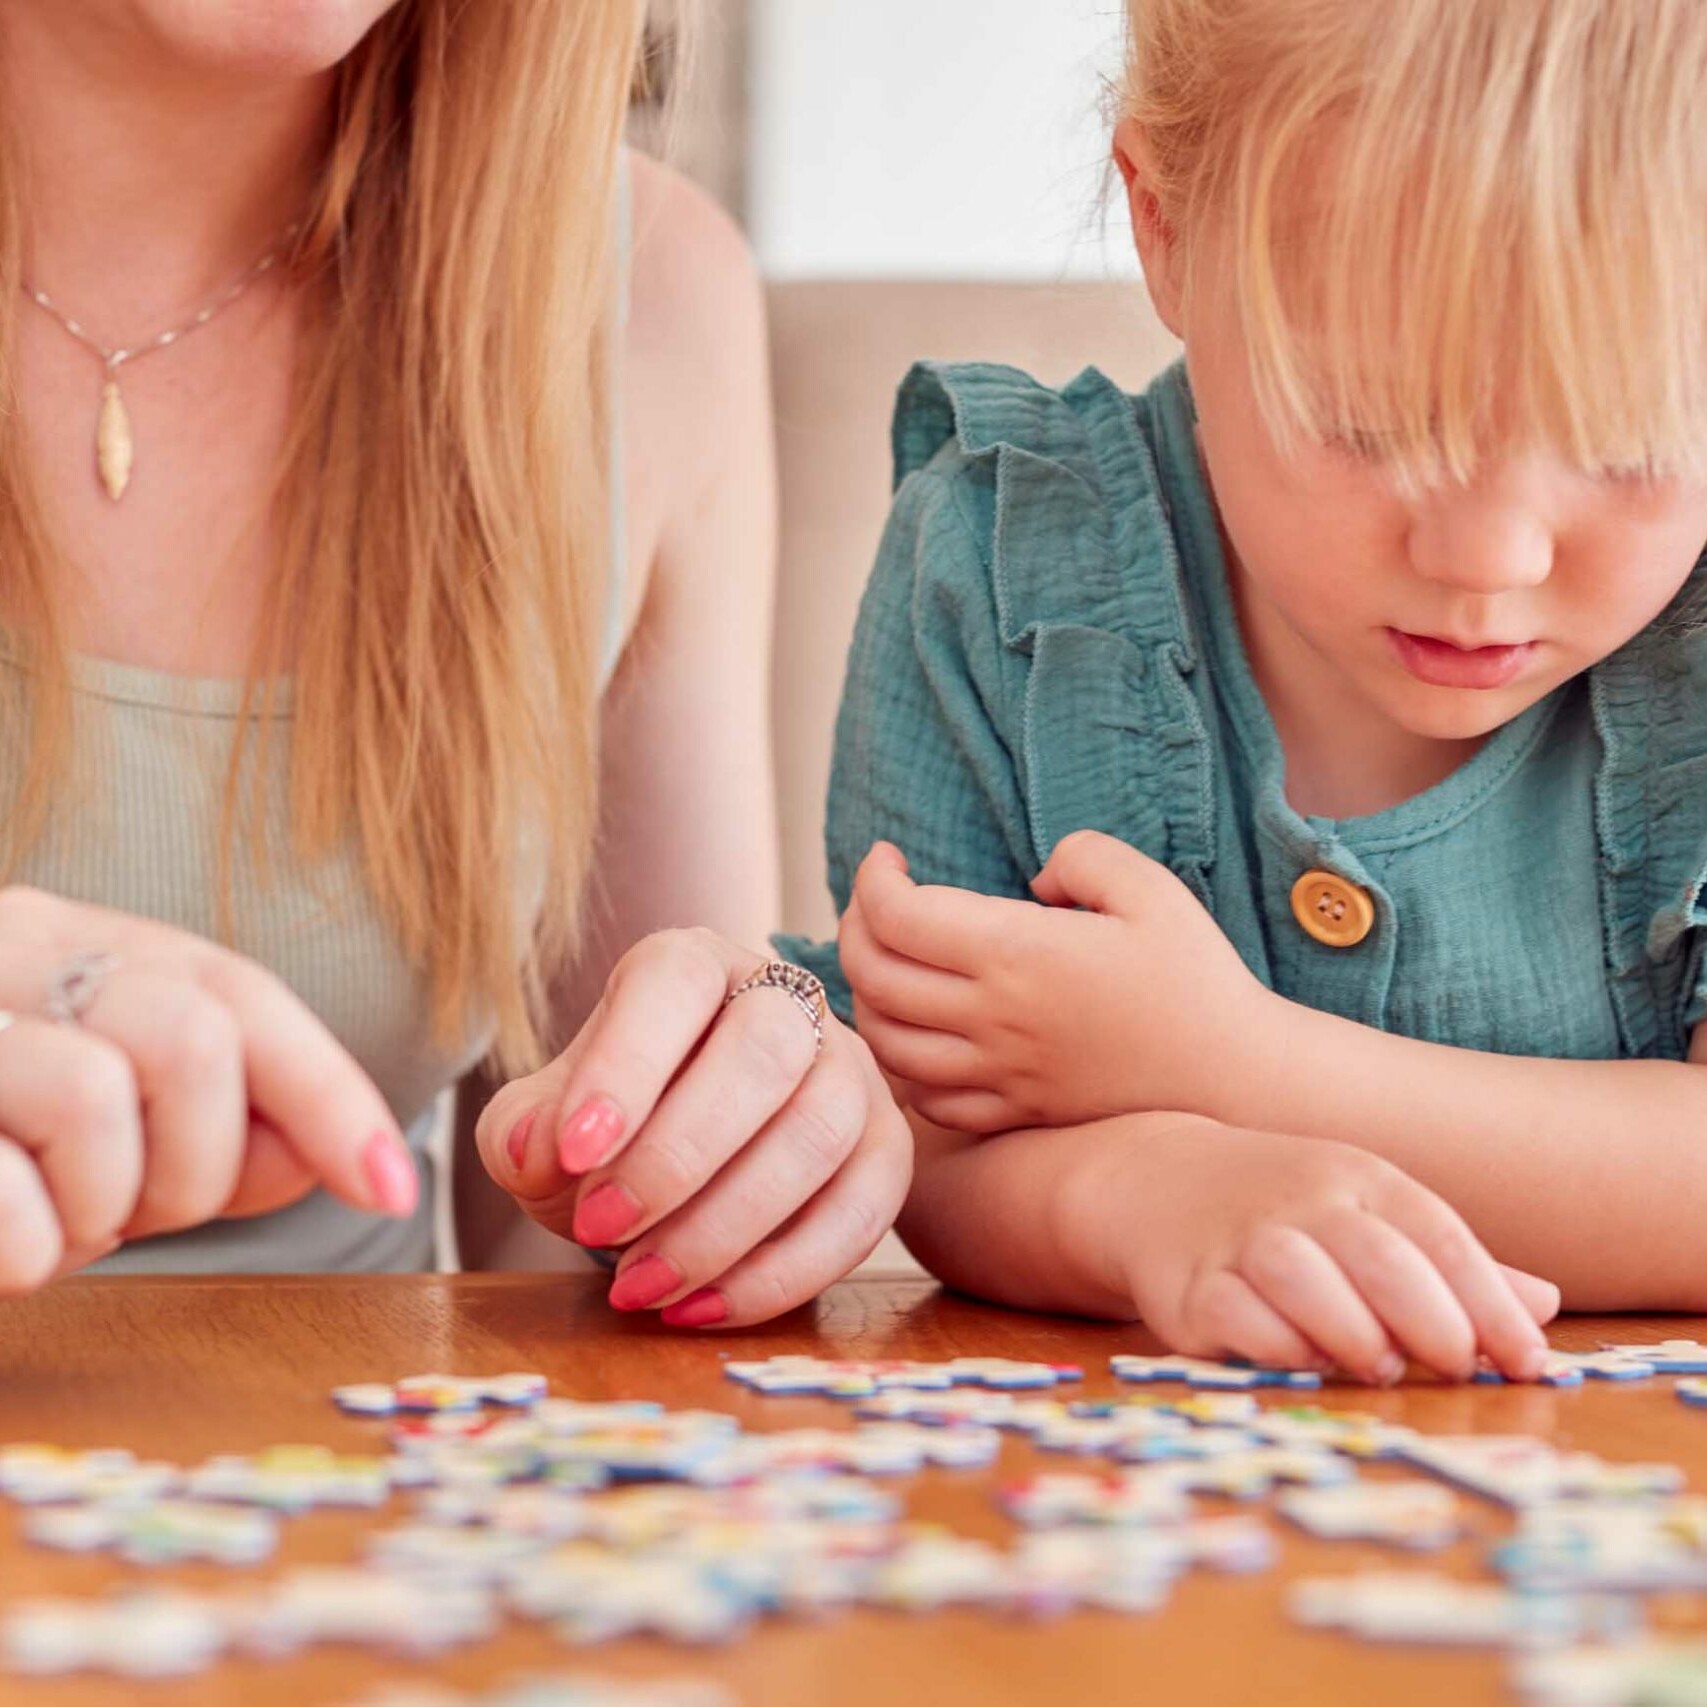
[390,1173]
[516,1145]
[642,1284]
[589,1135]
[606,1215]
[702,1309]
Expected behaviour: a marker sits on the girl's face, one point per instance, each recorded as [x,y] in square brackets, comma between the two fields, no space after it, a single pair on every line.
[242,37]
[1452,611]
[1449,612]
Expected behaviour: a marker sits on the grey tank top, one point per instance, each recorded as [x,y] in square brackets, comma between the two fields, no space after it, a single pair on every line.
[141,836]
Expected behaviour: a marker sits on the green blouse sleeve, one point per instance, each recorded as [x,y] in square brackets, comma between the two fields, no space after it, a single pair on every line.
[923,754]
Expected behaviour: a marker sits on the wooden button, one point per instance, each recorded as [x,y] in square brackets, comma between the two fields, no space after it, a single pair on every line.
[1332,910]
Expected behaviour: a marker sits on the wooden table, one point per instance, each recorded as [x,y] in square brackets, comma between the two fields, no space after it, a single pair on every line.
[184,1368]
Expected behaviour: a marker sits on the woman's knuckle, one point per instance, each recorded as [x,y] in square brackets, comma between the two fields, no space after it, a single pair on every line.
[96,1091]
[776,1040]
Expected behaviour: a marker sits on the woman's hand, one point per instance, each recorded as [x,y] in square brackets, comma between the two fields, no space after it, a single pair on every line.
[997,1013]
[739,1172]
[192,1084]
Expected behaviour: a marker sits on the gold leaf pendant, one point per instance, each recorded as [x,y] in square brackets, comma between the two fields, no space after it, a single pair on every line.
[114,450]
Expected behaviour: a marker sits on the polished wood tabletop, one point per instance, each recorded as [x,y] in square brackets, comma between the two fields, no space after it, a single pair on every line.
[181,1369]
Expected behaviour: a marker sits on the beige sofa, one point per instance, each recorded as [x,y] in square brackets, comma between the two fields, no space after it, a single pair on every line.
[838,352]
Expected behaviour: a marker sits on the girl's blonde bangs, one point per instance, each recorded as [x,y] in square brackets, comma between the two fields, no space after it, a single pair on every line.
[1448,227]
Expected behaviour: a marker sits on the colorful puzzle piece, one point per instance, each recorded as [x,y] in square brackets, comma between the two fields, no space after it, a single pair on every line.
[1517,1470]
[1198,1372]
[1571,1368]
[860,1378]
[1651,1671]
[1420,1515]
[136,1635]
[1669,1357]
[46,1475]
[167,1532]
[436,1393]
[1126,1499]
[292,1479]
[1427,1607]
[1644,1547]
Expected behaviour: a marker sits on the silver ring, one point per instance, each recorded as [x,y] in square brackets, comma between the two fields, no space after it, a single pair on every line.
[801,988]
[76,985]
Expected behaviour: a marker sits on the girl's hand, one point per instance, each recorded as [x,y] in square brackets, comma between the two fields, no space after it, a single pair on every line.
[1295,1251]
[997,1013]
[191,1085]
[740,1174]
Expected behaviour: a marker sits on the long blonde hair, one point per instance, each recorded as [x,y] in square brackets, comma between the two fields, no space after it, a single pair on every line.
[1451,220]
[442,504]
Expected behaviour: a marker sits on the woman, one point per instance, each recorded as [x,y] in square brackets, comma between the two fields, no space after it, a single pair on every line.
[312,600]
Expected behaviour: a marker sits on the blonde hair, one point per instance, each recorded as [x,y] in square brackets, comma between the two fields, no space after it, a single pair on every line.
[442,503]
[1456,222]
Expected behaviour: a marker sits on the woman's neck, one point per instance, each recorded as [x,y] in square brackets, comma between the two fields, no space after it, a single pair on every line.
[147,184]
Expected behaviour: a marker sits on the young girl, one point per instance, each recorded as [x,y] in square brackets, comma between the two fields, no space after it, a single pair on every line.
[1342,700]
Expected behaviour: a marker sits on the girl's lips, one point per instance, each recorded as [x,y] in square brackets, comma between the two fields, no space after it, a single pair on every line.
[1443,665]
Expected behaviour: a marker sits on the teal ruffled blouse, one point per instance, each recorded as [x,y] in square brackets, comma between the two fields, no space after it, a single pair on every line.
[1048,644]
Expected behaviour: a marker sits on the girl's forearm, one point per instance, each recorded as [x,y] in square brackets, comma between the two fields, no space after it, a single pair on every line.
[1032,1219]
[1592,1173]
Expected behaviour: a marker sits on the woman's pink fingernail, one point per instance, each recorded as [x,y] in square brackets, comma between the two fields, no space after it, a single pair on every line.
[516,1145]
[642,1284]
[702,1309]
[391,1173]
[606,1215]
[589,1135]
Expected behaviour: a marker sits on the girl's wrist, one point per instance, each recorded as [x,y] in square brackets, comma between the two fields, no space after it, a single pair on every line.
[1274,1043]
[1106,1193]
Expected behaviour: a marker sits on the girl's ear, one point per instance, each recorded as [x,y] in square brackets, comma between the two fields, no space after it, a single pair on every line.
[1158,250]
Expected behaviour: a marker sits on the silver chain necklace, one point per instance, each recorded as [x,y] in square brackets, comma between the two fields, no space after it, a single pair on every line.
[115,448]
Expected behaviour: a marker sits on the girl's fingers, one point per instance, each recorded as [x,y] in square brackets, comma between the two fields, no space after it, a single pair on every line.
[1503,1326]
[951,929]
[31,1240]
[1419,1309]
[1297,1279]
[903,989]
[663,997]
[750,1067]
[1541,1298]
[784,1167]
[1224,1317]
[187,1054]
[69,1099]
[835,1232]
[960,1109]
[926,1057]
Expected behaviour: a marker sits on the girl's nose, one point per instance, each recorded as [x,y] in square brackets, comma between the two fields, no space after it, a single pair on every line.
[1491,537]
